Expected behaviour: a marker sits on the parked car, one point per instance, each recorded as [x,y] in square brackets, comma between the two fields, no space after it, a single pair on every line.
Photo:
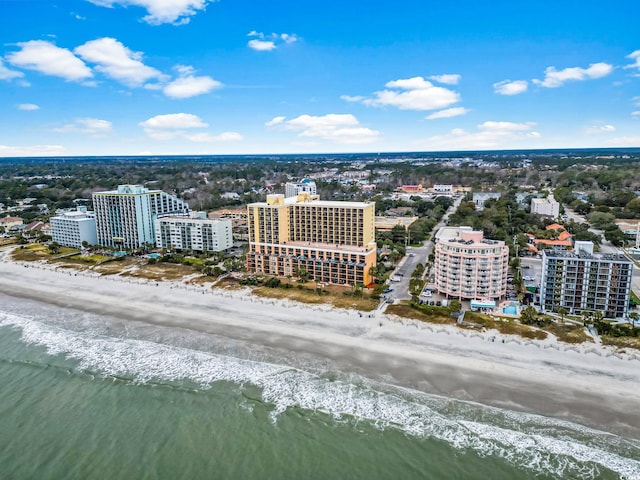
[529,278]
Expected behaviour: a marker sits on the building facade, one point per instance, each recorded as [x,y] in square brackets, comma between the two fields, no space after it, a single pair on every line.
[9,222]
[480,198]
[194,233]
[547,207]
[468,266]
[582,281]
[294,189]
[334,242]
[72,228]
[125,217]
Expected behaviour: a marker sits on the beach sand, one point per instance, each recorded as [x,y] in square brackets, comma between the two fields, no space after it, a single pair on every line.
[589,384]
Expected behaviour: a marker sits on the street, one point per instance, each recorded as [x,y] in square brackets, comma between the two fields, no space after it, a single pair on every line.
[416,255]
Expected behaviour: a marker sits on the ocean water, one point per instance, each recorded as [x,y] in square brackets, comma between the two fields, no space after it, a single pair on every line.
[86,396]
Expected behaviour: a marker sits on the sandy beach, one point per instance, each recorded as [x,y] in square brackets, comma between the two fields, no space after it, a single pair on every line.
[588,384]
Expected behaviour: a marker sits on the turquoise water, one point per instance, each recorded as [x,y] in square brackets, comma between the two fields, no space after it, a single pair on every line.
[83,396]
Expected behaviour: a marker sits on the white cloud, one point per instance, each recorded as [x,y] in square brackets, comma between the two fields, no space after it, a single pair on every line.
[489,134]
[491,126]
[289,37]
[261,45]
[174,121]
[508,87]
[266,43]
[45,57]
[635,56]
[448,113]
[556,78]
[447,78]
[413,94]
[207,137]
[337,128]
[189,85]
[275,121]
[633,141]
[352,98]
[28,106]
[180,125]
[177,12]
[595,129]
[32,151]
[636,101]
[117,61]
[410,94]
[636,113]
[89,126]
[7,74]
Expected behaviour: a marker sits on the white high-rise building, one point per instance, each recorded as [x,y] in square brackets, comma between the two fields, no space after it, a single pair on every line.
[125,217]
[194,233]
[294,189]
[72,228]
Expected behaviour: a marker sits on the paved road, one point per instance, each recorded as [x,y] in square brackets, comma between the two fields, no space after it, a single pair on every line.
[416,255]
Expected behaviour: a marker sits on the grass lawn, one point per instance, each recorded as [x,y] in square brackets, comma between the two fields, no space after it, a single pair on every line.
[333,296]
[509,327]
[438,315]
[621,342]
[569,333]
[161,271]
[31,253]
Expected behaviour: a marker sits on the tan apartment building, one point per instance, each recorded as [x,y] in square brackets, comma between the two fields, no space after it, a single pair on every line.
[468,266]
[333,241]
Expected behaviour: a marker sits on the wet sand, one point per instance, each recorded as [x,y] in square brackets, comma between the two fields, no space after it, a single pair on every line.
[586,384]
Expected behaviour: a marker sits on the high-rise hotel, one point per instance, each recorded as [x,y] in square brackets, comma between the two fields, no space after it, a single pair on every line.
[334,242]
[125,217]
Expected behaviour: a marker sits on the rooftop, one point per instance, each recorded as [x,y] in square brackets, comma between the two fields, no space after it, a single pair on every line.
[586,256]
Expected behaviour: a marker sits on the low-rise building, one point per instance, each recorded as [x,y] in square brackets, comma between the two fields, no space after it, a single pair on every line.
[195,233]
[443,189]
[564,240]
[547,207]
[387,223]
[72,228]
[583,281]
[9,222]
[411,188]
[480,198]
[469,267]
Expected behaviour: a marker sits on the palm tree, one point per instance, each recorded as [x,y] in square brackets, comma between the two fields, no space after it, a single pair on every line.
[528,315]
[562,312]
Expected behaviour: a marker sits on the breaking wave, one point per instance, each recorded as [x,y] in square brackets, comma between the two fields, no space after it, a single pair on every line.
[547,446]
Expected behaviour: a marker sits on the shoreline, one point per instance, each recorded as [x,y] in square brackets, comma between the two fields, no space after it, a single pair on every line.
[590,386]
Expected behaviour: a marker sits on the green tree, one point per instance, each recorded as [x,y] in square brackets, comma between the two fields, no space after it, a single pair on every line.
[528,315]
[562,312]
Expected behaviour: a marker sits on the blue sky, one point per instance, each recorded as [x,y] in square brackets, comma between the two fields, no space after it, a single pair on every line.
[129,77]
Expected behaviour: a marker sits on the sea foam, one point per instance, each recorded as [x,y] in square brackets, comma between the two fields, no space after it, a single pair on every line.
[527,441]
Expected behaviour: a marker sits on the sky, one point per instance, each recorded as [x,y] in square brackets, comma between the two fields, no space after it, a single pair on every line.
[196,77]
